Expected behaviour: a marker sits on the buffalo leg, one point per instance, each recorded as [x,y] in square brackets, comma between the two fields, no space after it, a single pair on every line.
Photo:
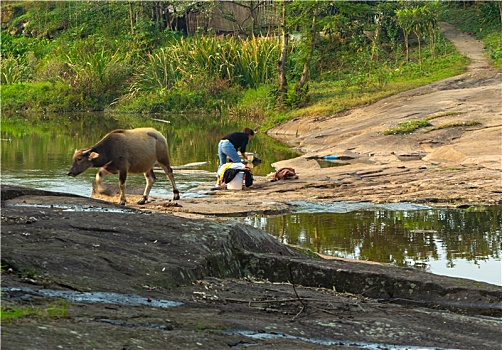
[122,186]
[169,172]
[100,175]
[150,180]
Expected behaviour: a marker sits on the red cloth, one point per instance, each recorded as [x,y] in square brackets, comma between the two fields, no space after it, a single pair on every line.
[285,174]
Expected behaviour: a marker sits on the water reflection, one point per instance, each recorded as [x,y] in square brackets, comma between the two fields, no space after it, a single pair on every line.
[461,243]
[36,152]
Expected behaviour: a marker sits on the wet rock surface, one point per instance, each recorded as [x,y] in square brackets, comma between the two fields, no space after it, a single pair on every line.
[232,285]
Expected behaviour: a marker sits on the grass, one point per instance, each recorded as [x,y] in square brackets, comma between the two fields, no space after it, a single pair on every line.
[57,308]
[329,97]
[407,127]
[43,96]
[493,44]
[448,169]
[444,114]
[455,125]
[248,63]
[411,126]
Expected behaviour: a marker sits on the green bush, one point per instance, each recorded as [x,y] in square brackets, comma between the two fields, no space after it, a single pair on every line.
[493,43]
[40,96]
[209,97]
[95,72]
[254,104]
[247,63]
[14,70]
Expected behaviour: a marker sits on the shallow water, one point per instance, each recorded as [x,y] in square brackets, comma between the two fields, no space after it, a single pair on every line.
[37,151]
[57,181]
[73,207]
[93,297]
[463,243]
[329,342]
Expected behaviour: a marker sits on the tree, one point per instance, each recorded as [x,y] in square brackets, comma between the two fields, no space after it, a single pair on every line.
[431,22]
[405,21]
[252,7]
[418,21]
[281,63]
[306,66]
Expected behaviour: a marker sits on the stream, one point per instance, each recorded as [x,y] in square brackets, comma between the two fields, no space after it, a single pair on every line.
[452,242]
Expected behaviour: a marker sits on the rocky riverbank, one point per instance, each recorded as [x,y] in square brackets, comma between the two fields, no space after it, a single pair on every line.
[232,286]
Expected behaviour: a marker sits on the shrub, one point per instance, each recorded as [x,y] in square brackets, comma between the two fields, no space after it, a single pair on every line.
[14,70]
[247,63]
[40,96]
[95,72]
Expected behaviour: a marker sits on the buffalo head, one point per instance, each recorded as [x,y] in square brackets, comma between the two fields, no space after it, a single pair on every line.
[82,160]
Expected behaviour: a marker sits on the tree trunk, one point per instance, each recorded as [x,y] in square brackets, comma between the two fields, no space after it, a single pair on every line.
[419,50]
[306,65]
[500,10]
[407,46]
[131,17]
[283,84]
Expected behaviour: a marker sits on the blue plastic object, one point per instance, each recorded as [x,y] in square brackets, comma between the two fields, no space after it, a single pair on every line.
[331,157]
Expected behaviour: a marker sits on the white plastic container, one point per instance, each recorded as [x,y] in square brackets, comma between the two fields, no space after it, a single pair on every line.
[236,183]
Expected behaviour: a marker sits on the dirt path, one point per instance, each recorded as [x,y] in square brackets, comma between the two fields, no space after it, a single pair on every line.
[443,165]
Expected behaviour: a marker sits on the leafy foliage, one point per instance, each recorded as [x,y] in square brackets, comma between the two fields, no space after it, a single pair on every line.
[248,63]
[137,56]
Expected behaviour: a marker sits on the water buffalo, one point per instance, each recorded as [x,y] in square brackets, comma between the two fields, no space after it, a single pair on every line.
[126,151]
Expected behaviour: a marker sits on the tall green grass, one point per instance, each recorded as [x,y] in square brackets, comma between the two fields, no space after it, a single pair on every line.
[249,63]
[56,309]
[95,72]
[14,70]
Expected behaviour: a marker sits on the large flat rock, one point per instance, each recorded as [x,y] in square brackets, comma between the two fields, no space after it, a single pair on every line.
[221,273]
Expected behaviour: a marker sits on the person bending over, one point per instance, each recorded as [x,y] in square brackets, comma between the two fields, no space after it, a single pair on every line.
[230,144]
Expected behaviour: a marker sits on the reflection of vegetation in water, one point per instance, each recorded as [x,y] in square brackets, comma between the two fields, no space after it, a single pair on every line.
[45,142]
[48,141]
[394,236]
[330,164]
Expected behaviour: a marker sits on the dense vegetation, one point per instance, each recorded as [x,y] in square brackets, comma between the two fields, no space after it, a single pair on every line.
[124,56]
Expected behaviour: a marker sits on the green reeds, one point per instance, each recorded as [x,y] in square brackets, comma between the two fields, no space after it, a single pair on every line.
[95,71]
[14,70]
[248,63]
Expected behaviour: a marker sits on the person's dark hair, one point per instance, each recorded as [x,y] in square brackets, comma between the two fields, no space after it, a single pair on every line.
[248,131]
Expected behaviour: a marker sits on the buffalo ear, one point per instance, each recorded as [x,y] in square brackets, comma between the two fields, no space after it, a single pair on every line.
[93,155]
